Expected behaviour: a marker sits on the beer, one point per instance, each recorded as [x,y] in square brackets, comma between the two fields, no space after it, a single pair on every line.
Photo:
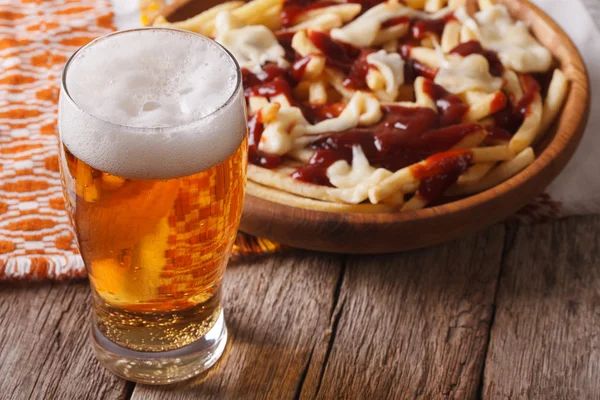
[154,149]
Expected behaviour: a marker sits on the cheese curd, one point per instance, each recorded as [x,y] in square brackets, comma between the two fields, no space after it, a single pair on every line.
[290,130]
[460,74]
[276,137]
[391,66]
[355,180]
[513,42]
[364,31]
[252,45]
[363,109]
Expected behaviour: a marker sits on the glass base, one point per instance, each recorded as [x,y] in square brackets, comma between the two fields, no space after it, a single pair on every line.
[159,368]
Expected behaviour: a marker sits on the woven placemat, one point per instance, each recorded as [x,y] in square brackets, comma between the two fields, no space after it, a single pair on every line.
[36,39]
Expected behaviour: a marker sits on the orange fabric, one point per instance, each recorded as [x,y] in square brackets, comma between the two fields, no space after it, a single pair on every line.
[36,38]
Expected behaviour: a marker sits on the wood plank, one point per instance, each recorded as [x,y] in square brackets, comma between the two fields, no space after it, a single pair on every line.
[545,340]
[277,310]
[45,351]
[412,325]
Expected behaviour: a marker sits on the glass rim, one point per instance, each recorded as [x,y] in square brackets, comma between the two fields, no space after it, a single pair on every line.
[166,129]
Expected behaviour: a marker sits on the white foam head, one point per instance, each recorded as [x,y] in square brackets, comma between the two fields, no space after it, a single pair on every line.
[152,104]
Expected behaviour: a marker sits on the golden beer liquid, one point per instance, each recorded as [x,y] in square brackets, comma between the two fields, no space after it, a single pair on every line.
[156,250]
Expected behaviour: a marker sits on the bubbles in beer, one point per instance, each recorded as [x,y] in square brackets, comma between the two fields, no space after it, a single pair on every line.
[160,104]
[153,78]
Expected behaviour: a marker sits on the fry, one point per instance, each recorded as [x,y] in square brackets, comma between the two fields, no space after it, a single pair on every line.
[488,105]
[472,140]
[501,173]
[317,93]
[301,90]
[315,67]
[346,12]
[288,184]
[291,200]
[203,23]
[454,4]
[375,80]
[392,184]
[484,4]
[269,112]
[252,12]
[490,154]
[415,203]
[270,18]
[391,33]
[423,99]
[530,128]
[336,79]
[255,103]
[405,176]
[512,85]
[433,5]
[451,36]
[428,57]
[397,199]
[302,44]
[557,93]
[303,155]
[467,34]
[475,173]
[281,99]
[323,22]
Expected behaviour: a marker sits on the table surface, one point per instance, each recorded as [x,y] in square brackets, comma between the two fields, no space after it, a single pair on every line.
[509,313]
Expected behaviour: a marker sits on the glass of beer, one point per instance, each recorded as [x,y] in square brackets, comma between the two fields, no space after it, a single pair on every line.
[153,159]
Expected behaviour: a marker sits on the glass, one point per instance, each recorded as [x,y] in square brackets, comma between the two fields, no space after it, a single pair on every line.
[155,241]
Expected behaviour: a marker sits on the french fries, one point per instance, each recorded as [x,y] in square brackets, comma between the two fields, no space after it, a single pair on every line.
[528,132]
[406,176]
[323,22]
[434,5]
[289,199]
[324,81]
[346,12]
[487,105]
[203,23]
[451,36]
[557,93]
[422,97]
[499,174]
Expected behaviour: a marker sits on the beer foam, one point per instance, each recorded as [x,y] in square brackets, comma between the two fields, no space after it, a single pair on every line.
[159,104]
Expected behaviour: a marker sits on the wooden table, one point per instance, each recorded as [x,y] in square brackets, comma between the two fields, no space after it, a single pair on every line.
[510,313]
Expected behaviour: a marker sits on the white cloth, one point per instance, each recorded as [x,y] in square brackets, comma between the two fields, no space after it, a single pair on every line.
[127,14]
[578,186]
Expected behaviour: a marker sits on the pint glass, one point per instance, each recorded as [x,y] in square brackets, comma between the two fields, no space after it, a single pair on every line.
[153,160]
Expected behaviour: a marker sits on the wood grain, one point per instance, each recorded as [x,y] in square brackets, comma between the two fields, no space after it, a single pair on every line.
[545,340]
[412,325]
[45,351]
[277,310]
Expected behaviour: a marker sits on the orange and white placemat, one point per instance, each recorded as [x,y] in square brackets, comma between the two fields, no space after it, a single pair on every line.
[36,38]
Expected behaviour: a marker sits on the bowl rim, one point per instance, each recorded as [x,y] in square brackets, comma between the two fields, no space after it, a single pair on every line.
[576,108]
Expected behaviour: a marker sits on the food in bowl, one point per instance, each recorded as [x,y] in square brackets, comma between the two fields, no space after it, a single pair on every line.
[371,106]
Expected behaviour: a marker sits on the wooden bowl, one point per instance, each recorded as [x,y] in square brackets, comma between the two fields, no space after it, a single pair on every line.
[386,233]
